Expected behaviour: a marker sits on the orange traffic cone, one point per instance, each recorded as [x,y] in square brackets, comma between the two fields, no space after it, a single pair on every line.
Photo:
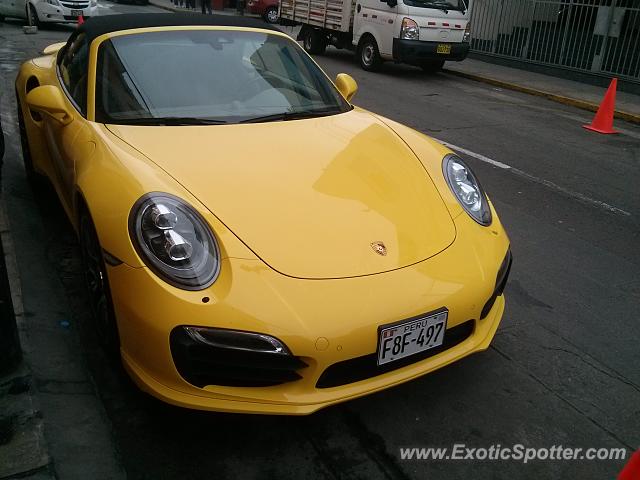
[80,20]
[603,121]
[631,471]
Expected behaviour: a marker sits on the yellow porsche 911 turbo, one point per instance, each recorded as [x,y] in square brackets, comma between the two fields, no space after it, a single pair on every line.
[252,242]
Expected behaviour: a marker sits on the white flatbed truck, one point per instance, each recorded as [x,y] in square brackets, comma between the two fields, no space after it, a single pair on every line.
[417,32]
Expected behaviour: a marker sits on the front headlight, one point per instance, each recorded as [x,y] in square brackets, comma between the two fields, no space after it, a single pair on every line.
[466,37]
[53,2]
[174,241]
[94,3]
[409,30]
[467,189]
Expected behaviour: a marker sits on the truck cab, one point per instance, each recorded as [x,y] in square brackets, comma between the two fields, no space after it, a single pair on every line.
[425,33]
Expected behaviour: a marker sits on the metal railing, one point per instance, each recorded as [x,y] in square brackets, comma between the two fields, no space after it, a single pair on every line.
[595,36]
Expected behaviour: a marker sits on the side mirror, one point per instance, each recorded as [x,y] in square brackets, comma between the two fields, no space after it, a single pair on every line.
[347,86]
[53,48]
[48,99]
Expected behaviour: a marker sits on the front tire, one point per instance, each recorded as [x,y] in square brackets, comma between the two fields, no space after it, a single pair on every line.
[369,55]
[97,283]
[33,16]
[271,15]
[313,42]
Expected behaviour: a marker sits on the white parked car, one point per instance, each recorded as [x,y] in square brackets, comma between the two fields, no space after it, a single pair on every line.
[48,11]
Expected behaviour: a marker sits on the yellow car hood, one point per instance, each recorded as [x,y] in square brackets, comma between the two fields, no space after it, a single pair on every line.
[310,197]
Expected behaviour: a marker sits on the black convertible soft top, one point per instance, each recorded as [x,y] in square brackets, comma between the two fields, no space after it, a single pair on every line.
[95,26]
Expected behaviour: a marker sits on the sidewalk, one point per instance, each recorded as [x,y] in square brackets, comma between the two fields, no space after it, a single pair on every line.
[168,5]
[569,92]
[23,448]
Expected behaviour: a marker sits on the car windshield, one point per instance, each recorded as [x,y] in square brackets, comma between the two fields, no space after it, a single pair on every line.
[445,5]
[191,77]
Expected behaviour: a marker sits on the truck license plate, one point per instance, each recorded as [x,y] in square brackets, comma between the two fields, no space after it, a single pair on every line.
[444,48]
[413,336]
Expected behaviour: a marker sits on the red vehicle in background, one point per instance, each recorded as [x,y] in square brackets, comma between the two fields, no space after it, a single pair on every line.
[268,9]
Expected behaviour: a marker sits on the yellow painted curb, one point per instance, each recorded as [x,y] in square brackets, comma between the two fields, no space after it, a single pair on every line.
[574,102]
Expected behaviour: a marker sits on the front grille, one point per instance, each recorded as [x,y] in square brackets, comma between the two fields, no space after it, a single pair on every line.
[361,368]
[202,364]
[501,282]
[74,5]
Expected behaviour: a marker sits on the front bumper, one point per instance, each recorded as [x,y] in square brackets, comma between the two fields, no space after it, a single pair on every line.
[60,14]
[324,323]
[416,52]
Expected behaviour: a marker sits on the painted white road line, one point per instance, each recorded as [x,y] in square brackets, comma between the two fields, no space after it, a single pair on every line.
[541,181]
[7,121]
[482,158]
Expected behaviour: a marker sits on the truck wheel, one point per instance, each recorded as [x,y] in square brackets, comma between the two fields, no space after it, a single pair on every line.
[313,42]
[369,55]
[271,15]
[432,66]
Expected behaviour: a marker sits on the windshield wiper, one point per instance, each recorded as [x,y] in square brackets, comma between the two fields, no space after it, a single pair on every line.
[292,115]
[445,7]
[170,121]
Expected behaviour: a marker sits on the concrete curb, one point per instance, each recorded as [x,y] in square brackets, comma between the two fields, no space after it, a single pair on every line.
[171,9]
[574,102]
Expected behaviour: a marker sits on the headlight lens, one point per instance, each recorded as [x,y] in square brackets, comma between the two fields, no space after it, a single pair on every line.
[174,241]
[409,30]
[467,189]
[466,37]
[94,3]
[53,2]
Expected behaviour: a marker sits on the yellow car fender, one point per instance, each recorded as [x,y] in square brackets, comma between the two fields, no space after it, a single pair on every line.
[430,153]
[129,175]
[32,74]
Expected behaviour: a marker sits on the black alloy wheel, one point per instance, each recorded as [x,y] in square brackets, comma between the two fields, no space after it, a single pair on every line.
[97,283]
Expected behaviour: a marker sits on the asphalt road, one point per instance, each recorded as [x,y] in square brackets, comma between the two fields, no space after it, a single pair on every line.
[562,370]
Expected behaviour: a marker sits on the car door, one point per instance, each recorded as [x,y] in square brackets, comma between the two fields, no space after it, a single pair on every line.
[20,8]
[67,142]
[378,18]
[11,8]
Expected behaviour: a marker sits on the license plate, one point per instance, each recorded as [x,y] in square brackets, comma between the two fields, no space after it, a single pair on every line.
[404,339]
[76,13]
[444,48]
